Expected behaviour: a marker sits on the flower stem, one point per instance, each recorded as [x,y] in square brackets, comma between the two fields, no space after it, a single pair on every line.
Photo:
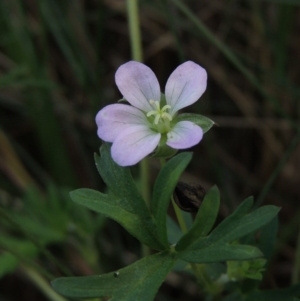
[134,30]
[137,55]
[144,171]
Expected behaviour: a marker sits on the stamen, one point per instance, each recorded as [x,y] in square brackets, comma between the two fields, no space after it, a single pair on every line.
[151,113]
[160,114]
[166,107]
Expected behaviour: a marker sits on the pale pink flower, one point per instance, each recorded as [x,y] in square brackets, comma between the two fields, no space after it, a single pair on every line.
[135,131]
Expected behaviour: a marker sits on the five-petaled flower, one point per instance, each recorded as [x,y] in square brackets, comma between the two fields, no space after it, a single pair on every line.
[137,130]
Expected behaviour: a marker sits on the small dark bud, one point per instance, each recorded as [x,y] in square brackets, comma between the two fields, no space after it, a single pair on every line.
[189,197]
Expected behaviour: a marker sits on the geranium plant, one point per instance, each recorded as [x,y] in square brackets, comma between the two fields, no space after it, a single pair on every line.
[150,124]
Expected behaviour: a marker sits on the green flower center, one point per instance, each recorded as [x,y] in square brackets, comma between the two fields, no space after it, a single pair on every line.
[159,117]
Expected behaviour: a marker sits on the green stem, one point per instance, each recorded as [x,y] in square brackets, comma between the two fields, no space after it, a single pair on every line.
[134,30]
[144,171]
[42,284]
[179,217]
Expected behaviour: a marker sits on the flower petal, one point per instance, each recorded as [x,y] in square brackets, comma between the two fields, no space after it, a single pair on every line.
[133,144]
[185,134]
[138,84]
[185,86]
[113,119]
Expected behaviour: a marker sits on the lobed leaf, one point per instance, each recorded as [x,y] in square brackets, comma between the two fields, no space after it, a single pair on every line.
[140,227]
[240,223]
[139,281]
[120,182]
[235,227]
[129,207]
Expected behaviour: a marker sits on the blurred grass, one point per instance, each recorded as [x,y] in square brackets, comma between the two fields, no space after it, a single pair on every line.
[57,65]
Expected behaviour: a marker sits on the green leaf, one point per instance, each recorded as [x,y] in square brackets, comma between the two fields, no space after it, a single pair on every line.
[119,181]
[204,122]
[217,253]
[204,220]
[139,281]
[121,185]
[243,208]
[237,225]
[139,226]
[163,189]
